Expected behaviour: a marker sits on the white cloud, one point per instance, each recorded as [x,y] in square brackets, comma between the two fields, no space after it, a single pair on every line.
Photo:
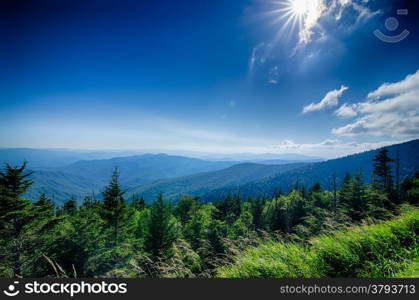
[315,11]
[411,82]
[390,110]
[330,147]
[331,99]
[338,7]
[364,12]
[287,144]
[346,111]
[333,8]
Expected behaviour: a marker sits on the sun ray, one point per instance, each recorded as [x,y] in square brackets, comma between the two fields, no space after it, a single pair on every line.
[301,15]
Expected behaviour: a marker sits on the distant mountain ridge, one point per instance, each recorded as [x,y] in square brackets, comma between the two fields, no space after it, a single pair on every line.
[322,172]
[90,176]
[146,167]
[260,158]
[53,158]
[149,174]
[199,184]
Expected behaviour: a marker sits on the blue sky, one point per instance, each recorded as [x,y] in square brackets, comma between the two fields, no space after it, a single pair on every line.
[208,76]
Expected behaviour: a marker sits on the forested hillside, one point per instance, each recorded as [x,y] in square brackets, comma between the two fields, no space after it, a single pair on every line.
[112,237]
[145,167]
[199,184]
[90,176]
[53,158]
[325,172]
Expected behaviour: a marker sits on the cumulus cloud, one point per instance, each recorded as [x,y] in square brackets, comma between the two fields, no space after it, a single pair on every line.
[391,110]
[410,83]
[331,99]
[332,8]
[315,10]
[346,111]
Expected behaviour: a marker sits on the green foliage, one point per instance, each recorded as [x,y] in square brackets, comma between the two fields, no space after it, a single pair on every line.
[272,260]
[110,237]
[162,231]
[382,173]
[366,251]
[114,208]
[410,189]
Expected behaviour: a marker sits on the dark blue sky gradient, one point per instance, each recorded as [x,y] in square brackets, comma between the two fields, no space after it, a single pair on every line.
[175,74]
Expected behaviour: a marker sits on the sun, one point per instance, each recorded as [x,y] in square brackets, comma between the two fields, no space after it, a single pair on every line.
[300,7]
[301,14]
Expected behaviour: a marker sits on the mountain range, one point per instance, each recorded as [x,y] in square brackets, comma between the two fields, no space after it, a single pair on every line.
[322,172]
[202,183]
[62,174]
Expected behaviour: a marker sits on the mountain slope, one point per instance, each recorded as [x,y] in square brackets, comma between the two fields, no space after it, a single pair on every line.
[84,177]
[147,167]
[322,172]
[61,186]
[53,158]
[201,183]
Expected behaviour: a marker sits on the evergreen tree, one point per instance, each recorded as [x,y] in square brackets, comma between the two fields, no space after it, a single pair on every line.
[114,207]
[357,201]
[382,174]
[89,202]
[197,227]
[345,192]
[410,189]
[138,202]
[317,197]
[15,213]
[185,206]
[161,229]
[70,206]
[14,182]
[44,206]
[257,210]
[229,208]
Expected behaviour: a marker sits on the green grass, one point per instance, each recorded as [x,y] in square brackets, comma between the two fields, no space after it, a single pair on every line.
[411,270]
[381,250]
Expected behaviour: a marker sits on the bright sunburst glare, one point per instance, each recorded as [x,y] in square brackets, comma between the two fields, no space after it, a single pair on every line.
[302,13]
[300,7]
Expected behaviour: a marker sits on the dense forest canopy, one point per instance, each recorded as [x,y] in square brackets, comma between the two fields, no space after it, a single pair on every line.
[113,237]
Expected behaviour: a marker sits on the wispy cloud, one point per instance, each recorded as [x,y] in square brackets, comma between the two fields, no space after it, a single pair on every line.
[330,147]
[258,55]
[331,99]
[390,110]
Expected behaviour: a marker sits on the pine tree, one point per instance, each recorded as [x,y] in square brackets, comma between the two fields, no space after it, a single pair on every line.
[197,227]
[161,229]
[357,200]
[70,206]
[114,207]
[44,206]
[345,192]
[257,209]
[184,208]
[15,212]
[382,174]
[334,190]
[14,182]
[138,203]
